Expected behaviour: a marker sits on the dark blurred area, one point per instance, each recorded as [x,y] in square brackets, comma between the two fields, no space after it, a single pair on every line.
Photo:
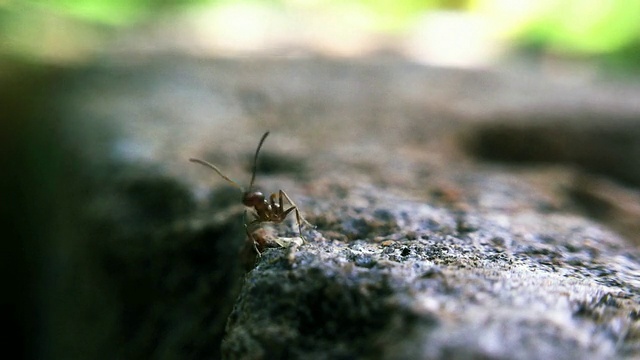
[43,187]
[64,299]
[30,159]
[105,258]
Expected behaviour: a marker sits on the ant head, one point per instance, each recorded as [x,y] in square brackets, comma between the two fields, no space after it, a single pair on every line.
[252,198]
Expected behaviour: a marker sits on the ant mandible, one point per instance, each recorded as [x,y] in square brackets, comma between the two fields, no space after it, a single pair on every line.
[264,210]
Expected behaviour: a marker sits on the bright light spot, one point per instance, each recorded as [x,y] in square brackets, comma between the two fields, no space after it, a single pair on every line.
[241,27]
[454,39]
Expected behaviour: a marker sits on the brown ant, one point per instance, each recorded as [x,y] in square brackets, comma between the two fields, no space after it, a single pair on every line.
[264,210]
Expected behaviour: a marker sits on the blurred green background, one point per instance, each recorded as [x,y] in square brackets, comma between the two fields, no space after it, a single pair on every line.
[606,32]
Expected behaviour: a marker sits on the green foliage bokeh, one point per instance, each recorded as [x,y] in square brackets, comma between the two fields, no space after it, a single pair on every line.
[113,12]
[603,28]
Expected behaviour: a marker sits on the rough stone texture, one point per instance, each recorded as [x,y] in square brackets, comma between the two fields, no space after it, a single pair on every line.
[428,282]
[421,249]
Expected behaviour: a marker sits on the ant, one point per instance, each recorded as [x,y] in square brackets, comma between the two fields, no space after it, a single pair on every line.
[264,210]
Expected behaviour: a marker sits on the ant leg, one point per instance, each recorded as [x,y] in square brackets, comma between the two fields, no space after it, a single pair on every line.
[286,213]
[253,240]
[274,205]
[294,207]
[299,226]
[284,195]
[279,209]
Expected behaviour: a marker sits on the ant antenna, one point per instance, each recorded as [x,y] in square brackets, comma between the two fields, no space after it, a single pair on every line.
[255,161]
[210,165]
[253,172]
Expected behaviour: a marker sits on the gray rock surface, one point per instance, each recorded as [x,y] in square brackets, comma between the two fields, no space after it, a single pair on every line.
[420,250]
[424,281]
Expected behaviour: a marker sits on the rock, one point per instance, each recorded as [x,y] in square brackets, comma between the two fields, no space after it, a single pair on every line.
[421,249]
[416,284]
